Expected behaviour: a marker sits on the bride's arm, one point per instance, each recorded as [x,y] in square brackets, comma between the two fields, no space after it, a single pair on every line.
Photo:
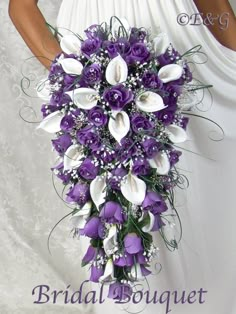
[31,24]
[227,36]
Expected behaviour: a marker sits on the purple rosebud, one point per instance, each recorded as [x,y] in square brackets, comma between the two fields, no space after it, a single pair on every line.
[126,260]
[125,149]
[118,96]
[111,48]
[96,31]
[137,35]
[90,255]
[184,122]
[158,223]
[123,47]
[62,143]
[59,172]
[90,46]
[141,167]
[112,213]
[117,175]
[97,116]
[174,157]
[139,53]
[59,99]
[88,170]
[140,258]
[166,116]
[154,202]
[44,110]
[140,123]
[67,123]
[96,273]
[69,80]
[119,291]
[104,154]
[78,194]
[92,74]
[151,147]
[151,80]
[93,228]
[133,243]
[145,272]
[168,57]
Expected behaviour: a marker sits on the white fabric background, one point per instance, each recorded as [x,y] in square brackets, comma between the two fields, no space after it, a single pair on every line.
[29,206]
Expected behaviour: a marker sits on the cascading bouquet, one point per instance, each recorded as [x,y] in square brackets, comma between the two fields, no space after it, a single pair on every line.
[113,104]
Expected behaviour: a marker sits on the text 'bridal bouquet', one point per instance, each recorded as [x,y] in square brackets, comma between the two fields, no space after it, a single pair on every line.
[113,101]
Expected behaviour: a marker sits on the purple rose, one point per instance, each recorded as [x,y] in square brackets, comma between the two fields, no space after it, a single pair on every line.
[154,202]
[168,57]
[59,172]
[104,154]
[111,48]
[166,116]
[67,123]
[59,98]
[90,46]
[96,31]
[137,35]
[174,157]
[125,149]
[62,143]
[112,212]
[78,194]
[133,243]
[89,138]
[117,175]
[151,147]
[141,167]
[171,93]
[139,53]
[125,260]
[123,47]
[97,116]
[93,229]
[69,80]
[92,74]
[96,273]
[151,80]
[118,96]
[88,170]
[140,123]
[119,291]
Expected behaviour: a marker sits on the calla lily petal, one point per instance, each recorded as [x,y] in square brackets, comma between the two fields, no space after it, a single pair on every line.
[52,123]
[84,98]
[71,66]
[110,243]
[72,157]
[97,190]
[170,72]
[108,273]
[79,219]
[43,89]
[70,44]
[160,43]
[119,125]
[149,226]
[133,189]
[161,163]
[116,71]
[176,134]
[150,102]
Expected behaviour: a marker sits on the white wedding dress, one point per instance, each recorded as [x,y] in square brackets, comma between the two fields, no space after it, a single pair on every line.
[207,206]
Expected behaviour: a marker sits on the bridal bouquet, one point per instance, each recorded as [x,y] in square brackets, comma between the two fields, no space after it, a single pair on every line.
[112,101]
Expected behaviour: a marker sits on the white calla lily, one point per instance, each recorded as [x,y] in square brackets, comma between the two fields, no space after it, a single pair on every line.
[84,98]
[71,66]
[70,44]
[161,163]
[119,25]
[116,71]
[160,43]
[72,157]
[97,190]
[136,272]
[52,123]
[43,89]
[148,227]
[133,189]
[176,134]
[110,243]
[108,275]
[79,219]
[119,125]
[170,72]
[150,102]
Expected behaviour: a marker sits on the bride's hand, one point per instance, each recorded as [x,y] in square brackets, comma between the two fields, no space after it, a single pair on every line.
[226,37]
[31,24]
